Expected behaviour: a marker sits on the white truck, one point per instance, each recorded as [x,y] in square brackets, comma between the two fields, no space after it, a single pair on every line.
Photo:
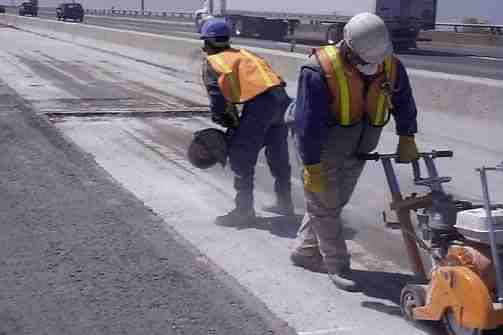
[287,19]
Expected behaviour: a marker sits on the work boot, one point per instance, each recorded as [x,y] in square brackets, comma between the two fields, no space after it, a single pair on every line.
[312,261]
[237,218]
[282,206]
[341,277]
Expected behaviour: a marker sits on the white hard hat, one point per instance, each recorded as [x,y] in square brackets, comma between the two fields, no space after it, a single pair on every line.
[367,35]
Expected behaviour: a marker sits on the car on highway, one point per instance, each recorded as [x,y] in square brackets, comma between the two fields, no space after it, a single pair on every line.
[28,8]
[73,11]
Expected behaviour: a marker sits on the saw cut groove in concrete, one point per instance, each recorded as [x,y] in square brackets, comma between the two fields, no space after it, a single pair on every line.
[123,107]
[179,112]
[86,108]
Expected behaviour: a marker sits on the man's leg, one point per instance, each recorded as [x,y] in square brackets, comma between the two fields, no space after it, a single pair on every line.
[276,152]
[245,145]
[322,227]
[323,210]
[343,169]
[307,254]
[328,227]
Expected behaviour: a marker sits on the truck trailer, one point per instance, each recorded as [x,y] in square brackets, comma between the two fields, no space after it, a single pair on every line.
[283,19]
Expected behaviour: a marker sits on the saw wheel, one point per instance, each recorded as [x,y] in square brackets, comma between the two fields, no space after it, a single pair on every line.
[412,296]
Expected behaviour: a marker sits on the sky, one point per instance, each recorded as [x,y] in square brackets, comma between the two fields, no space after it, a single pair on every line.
[448,10]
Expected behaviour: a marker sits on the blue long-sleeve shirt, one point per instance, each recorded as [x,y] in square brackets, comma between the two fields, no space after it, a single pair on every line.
[313,115]
[218,103]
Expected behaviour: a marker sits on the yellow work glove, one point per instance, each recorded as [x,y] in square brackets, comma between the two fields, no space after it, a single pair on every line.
[407,149]
[314,179]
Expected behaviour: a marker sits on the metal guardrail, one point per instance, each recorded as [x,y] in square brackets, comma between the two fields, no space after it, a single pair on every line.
[131,12]
[494,29]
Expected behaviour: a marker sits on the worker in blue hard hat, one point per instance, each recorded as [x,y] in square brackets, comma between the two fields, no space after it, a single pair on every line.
[346,95]
[238,80]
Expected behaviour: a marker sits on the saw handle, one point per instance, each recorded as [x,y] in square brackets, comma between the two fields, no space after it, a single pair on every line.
[375,156]
[443,153]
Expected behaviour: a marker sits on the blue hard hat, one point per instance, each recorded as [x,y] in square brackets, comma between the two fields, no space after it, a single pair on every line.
[214,27]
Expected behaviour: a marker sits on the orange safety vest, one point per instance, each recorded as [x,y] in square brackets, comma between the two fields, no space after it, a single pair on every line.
[347,88]
[242,75]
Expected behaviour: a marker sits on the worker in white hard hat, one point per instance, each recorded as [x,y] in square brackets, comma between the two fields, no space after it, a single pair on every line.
[346,95]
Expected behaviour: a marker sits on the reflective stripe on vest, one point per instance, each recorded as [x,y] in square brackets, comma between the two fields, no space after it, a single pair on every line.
[343,84]
[346,87]
[384,100]
[241,75]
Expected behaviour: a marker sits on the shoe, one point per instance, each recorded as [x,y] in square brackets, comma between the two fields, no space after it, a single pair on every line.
[312,262]
[282,206]
[341,277]
[236,218]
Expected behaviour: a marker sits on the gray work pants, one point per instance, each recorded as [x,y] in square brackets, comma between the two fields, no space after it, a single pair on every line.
[322,230]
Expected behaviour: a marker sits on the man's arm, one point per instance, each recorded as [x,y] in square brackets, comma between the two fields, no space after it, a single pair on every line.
[217,100]
[404,107]
[311,115]
[405,114]
[222,112]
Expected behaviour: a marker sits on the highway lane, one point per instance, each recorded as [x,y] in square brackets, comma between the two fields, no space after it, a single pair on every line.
[77,79]
[147,156]
[436,123]
[484,62]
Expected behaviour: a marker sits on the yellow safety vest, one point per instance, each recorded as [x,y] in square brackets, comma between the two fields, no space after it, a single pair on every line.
[242,75]
[350,99]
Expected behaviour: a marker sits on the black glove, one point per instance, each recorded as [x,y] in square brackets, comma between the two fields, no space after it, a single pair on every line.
[226,120]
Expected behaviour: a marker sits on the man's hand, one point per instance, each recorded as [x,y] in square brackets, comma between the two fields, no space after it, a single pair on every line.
[315,180]
[407,149]
[226,120]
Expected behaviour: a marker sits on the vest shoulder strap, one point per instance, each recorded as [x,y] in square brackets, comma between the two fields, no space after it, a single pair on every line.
[333,67]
